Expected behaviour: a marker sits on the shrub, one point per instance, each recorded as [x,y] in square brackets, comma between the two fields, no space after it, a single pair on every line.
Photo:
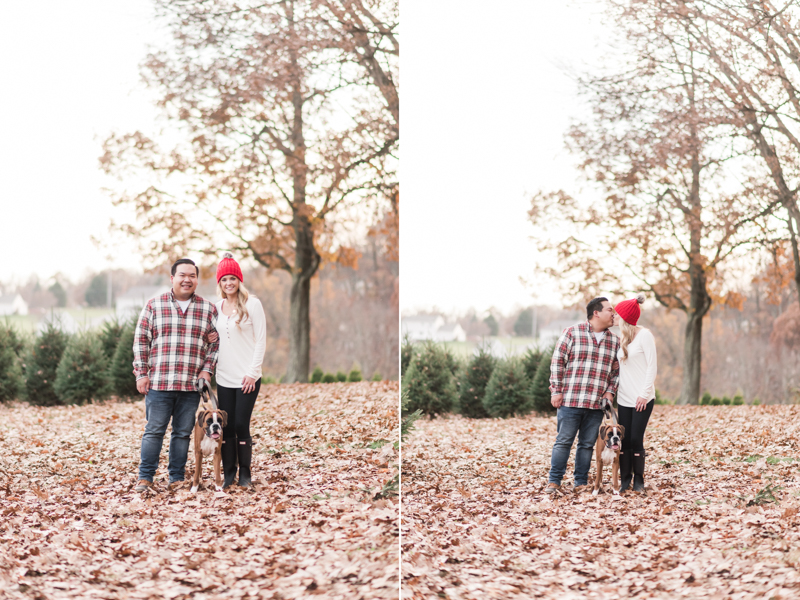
[531,360]
[756,402]
[539,389]
[726,401]
[354,375]
[660,400]
[406,351]
[716,401]
[81,374]
[41,364]
[475,376]
[341,376]
[738,400]
[267,379]
[706,399]
[429,380]
[109,338]
[328,378]
[120,371]
[316,376]
[376,376]
[507,390]
[11,375]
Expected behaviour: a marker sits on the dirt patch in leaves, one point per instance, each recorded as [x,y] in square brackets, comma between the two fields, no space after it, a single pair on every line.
[71,525]
[720,519]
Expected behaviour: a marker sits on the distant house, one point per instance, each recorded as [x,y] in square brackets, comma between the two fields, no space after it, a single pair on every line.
[13,304]
[131,302]
[553,330]
[431,327]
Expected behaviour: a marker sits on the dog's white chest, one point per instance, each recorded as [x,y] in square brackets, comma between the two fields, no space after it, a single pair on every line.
[608,456]
[208,446]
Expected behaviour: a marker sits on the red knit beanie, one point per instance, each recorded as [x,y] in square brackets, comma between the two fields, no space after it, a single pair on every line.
[629,309]
[228,266]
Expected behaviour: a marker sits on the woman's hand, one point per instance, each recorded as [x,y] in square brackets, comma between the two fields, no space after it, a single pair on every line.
[248,384]
[213,337]
[641,403]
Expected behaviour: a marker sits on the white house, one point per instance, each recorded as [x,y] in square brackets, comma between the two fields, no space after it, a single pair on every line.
[13,304]
[552,331]
[431,327]
[131,302]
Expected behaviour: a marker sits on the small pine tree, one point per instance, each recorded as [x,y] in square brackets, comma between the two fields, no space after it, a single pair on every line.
[109,337]
[354,375]
[706,399]
[81,374]
[530,362]
[738,400]
[756,402]
[316,376]
[475,376]
[41,364]
[716,401]
[341,376]
[328,378]
[429,381]
[539,390]
[507,390]
[11,373]
[123,381]
[376,376]
[726,400]
[406,351]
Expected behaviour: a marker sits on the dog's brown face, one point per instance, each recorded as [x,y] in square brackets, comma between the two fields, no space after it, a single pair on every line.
[612,436]
[212,422]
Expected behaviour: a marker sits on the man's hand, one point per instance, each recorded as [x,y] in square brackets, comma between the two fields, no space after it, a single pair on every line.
[207,376]
[213,337]
[143,385]
[556,400]
[607,401]
[248,384]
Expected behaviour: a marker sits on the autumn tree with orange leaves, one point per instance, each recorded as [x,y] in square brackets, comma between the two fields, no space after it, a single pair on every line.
[286,123]
[669,208]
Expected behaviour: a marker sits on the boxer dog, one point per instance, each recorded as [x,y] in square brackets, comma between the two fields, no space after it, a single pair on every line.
[209,422]
[609,443]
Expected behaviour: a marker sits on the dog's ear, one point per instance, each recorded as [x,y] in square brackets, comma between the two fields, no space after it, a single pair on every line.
[200,418]
[224,416]
[603,429]
[621,431]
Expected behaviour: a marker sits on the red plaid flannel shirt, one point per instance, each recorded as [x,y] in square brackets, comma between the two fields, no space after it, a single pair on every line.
[172,347]
[583,369]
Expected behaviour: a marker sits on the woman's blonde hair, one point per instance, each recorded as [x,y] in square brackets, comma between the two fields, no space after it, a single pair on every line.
[241,301]
[628,331]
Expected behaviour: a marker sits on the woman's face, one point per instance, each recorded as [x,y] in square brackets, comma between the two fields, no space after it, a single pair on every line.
[229,284]
[617,320]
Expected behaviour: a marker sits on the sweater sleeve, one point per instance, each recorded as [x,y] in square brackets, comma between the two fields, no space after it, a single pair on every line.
[648,391]
[559,362]
[142,338]
[256,310]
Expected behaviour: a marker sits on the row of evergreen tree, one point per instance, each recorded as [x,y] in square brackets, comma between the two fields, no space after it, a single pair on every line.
[57,367]
[482,386]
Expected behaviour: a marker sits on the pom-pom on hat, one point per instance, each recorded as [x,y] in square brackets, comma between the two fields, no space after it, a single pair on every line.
[629,309]
[228,266]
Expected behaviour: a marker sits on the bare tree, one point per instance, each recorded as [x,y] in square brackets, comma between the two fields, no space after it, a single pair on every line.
[287,121]
[664,155]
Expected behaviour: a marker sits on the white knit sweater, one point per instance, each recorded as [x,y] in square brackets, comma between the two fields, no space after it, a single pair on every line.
[637,374]
[241,349]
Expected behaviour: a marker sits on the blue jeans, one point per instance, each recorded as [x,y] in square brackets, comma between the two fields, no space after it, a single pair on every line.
[585,423]
[160,407]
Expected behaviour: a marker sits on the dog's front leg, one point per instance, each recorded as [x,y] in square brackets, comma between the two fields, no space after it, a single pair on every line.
[217,463]
[598,462]
[198,461]
[615,474]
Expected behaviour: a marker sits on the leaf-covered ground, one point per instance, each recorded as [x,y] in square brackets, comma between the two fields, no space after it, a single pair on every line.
[476,523]
[72,527]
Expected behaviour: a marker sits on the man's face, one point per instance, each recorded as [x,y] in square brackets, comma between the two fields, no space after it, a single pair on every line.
[184,281]
[605,317]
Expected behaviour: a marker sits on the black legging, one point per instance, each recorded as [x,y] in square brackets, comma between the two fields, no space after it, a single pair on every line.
[239,407]
[634,423]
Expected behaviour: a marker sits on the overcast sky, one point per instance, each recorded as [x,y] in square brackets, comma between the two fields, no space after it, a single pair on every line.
[486,102]
[70,77]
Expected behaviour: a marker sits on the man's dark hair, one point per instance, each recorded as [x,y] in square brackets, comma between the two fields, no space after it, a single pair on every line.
[184,261]
[595,305]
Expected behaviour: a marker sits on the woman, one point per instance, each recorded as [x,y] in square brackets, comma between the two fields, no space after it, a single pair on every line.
[242,329]
[637,392]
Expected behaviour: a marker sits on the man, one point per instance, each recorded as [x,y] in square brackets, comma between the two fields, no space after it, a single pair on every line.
[171,349]
[584,375]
